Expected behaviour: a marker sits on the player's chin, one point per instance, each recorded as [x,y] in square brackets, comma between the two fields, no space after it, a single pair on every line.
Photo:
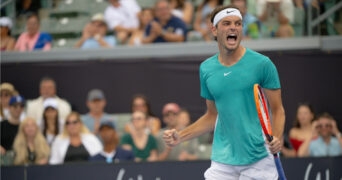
[232,47]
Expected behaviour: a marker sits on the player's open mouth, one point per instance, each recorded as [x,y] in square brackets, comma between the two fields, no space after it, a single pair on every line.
[231,38]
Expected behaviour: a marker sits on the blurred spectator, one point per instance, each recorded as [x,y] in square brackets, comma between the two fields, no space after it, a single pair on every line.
[183,9]
[111,153]
[24,7]
[276,16]
[75,143]
[202,17]
[145,17]
[6,92]
[287,150]
[329,141]
[47,89]
[165,27]
[141,103]
[299,18]
[186,150]
[208,36]
[141,143]
[94,34]
[30,146]
[183,119]
[9,127]
[330,22]
[250,23]
[96,103]
[122,17]
[33,39]
[51,124]
[302,129]
[7,41]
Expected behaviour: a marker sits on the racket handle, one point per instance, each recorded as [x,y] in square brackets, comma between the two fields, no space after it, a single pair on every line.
[280,169]
[269,137]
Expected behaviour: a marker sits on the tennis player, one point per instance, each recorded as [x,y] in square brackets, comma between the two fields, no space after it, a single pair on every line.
[239,149]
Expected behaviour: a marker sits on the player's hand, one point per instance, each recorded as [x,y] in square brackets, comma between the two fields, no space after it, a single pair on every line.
[171,137]
[275,145]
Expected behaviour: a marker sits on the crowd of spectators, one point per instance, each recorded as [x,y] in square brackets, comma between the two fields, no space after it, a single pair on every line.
[125,22]
[46,131]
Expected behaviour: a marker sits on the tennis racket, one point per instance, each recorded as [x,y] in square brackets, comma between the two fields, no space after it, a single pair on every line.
[265,122]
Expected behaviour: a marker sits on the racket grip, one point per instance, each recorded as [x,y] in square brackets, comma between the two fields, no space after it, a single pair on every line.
[269,137]
[280,169]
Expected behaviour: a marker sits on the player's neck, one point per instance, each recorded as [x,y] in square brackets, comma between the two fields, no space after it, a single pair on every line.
[229,58]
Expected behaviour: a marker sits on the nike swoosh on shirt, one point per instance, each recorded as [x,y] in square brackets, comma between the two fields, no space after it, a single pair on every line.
[226,74]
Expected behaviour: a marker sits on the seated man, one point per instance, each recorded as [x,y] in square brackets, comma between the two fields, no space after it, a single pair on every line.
[186,150]
[276,16]
[10,126]
[94,34]
[96,103]
[33,39]
[122,18]
[35,108]
[165,27]
[326,144]
[329,140]
[111,151]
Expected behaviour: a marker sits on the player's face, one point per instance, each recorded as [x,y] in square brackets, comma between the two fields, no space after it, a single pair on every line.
[229,33]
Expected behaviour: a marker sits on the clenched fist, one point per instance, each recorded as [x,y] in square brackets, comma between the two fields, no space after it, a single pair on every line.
[171,137]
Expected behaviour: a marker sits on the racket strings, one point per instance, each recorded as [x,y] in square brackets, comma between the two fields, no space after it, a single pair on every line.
[262,109]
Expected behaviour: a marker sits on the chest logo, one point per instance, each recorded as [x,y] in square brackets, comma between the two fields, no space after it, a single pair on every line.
[226,74]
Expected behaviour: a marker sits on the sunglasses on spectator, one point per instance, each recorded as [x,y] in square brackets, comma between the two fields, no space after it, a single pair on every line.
[71,122]
[137,118]
[5,94]
[170,113]
[139,105]
[324,126]
[18,105]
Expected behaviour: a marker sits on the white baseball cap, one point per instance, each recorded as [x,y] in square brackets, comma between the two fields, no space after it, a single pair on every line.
[6,22]
[50,102]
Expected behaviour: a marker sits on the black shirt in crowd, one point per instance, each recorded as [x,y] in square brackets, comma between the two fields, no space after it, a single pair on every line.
[8,133]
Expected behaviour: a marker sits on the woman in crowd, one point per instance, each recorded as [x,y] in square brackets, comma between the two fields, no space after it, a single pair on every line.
[183,9]
[302,129]
[7,41]
[145,16]
[6,92]
[143,145]
[51,124]
[141,103]
[33,39]
[75,143]
[30,146]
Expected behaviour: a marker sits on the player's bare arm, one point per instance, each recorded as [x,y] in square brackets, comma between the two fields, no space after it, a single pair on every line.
[204,124]
[278,116]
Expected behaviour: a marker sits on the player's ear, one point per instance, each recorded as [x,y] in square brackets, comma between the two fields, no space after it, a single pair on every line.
[213,30]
